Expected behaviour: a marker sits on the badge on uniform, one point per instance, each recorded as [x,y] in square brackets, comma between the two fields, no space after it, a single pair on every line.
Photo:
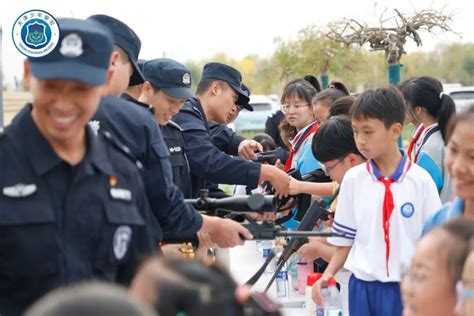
[71,46]
[121,194]
[186,79]
[19,190]
[95,126]
[407,210]
[122,238]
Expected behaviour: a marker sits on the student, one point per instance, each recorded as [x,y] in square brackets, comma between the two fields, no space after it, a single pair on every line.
[184,287]
[433,108]
[465,286]
[335,149]
[91,299]
[459,161]
[324,100]
[341,106]
[296,104]
[382,206]
[334,146]
[429,286]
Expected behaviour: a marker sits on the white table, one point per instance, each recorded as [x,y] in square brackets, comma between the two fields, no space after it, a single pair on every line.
[244,261]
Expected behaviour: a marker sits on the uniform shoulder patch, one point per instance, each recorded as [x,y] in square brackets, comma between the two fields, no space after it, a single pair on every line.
[121,148]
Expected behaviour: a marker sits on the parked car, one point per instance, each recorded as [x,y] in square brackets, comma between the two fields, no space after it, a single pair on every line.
[463,97]
[263,106]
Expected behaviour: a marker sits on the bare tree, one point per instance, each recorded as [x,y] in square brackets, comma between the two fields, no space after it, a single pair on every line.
[392,32]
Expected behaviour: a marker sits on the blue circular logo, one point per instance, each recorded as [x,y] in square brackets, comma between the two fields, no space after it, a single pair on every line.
[35,33]
[407,210]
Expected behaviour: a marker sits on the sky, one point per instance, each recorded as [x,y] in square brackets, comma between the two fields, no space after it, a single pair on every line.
[198,29]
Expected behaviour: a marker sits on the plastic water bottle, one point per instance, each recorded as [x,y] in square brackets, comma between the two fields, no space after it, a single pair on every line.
[267,246]
[281,281]
[332,300]
[310,304]
[293,272]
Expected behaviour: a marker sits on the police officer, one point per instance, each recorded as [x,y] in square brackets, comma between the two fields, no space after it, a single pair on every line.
[167,86]
[72,207]
[136,128]
[227,140]
[217,93]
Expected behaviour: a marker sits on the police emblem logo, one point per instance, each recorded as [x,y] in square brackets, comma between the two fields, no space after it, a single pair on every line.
[122,238]
[246,92]
[71,46]
[407,210]
[35,33]
[186,79]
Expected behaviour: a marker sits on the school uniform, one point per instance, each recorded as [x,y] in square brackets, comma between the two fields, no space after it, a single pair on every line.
[383,219]
[429,154]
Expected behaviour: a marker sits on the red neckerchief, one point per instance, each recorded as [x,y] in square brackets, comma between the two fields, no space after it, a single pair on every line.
[413,140]
[388,203]
[299,140]
[425,135]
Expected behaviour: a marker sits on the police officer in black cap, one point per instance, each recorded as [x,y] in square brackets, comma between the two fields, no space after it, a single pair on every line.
[217,93]
[72,206]
[167,87]
[137,129]
[228,141]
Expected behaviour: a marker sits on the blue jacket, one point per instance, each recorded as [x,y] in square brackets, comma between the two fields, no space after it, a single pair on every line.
[136,128]
[206,161]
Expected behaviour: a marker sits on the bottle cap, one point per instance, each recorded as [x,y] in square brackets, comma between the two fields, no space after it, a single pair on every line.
[313,278]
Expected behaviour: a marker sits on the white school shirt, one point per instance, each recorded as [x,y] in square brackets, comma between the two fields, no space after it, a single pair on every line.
[360,215]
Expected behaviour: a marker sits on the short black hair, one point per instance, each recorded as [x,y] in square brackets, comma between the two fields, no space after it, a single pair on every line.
[334,139]
[205,84]
[385,104]
[341,106]
[335,90]
[266,141]
[300,88]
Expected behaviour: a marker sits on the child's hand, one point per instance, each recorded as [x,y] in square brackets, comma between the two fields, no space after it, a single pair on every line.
[310,251]
[316,291]
[295,186]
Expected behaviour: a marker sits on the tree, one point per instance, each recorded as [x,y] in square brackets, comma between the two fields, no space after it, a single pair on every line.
[391,34]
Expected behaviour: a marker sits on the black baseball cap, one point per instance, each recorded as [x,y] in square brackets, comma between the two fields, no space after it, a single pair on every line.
[228,74]
[126,39]
[170,76]
[247,105]
[82,54]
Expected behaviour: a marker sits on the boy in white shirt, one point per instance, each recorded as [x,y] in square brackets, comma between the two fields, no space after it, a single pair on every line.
[382,207]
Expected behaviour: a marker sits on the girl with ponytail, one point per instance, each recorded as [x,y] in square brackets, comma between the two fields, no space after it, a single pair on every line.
[433,109]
